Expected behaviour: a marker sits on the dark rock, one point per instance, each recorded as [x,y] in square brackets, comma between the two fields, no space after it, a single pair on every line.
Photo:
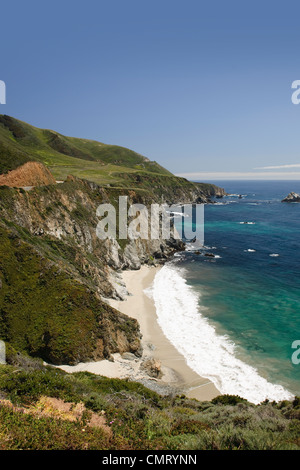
[176,244]
[292,197]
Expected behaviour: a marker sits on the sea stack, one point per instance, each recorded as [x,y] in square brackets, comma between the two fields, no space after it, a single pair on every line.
[292,197]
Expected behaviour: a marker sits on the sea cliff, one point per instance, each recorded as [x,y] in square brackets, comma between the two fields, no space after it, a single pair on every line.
[55,273]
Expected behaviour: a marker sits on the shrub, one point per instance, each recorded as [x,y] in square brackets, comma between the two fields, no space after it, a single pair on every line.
[228,400]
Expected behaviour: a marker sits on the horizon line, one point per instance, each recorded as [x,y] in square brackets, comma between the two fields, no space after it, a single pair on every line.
[250,176]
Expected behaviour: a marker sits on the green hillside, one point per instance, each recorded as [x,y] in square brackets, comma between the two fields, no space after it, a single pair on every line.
[106,165]
[21,142]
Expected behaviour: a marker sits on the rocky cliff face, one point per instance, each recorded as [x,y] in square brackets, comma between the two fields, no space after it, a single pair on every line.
[63,219]
[171,189]
[55,307]
[56,274]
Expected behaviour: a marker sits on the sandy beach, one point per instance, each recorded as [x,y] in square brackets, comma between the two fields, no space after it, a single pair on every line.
[176,372]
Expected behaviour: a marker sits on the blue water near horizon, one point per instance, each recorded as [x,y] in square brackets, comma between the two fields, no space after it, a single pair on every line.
[250,291]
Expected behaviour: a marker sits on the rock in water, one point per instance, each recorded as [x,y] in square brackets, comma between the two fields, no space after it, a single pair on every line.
[292,197]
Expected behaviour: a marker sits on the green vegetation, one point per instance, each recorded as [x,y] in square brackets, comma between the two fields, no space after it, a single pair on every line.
[21,142]
[106,165]
[53,272]
[21,431]
[49,314]
[138,418]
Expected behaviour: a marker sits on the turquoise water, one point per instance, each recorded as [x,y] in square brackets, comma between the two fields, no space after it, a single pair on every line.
[253,297]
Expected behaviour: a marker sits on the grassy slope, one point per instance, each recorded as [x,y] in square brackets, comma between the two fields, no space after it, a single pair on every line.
[21,142]
[138,417]
[104,164]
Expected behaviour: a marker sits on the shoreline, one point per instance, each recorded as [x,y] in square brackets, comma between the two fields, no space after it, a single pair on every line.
[177,376]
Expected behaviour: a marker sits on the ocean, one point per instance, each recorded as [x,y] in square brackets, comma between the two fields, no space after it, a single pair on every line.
[235,316]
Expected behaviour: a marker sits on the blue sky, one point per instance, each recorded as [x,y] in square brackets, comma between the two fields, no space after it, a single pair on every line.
[204,88]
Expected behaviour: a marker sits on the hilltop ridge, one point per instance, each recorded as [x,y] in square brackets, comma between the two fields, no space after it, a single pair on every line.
[54,149]
[107,165]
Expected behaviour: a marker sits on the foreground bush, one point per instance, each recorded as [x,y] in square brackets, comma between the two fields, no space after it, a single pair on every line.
[137,418]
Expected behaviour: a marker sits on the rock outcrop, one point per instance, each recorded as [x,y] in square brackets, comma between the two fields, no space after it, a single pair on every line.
[152,367]
[63,219]
[29,174]
[292,197]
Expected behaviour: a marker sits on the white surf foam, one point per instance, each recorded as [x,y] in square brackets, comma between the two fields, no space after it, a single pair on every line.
[209,354]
